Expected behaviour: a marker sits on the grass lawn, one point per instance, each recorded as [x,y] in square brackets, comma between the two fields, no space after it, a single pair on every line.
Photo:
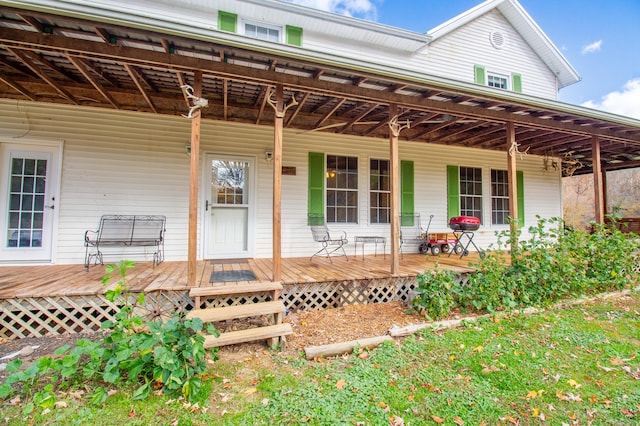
[574,366]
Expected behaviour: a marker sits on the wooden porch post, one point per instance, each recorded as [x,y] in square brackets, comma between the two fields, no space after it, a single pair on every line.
[597,179]
[512,179]
[193,186]
[277,183]
[395,189]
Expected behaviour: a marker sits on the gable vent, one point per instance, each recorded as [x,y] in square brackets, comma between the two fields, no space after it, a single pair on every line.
[498,39]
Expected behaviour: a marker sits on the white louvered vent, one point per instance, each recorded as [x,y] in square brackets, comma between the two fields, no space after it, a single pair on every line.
[498,39]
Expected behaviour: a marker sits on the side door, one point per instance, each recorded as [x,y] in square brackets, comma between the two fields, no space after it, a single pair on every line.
[28,196]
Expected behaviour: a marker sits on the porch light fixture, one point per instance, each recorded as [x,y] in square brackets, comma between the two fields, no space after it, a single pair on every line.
[268,155]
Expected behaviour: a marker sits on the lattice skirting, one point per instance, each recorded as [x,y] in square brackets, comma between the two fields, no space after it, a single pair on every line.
[35,317]
[40,316]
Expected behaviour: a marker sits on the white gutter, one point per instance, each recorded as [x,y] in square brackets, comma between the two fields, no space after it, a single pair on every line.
[81,9]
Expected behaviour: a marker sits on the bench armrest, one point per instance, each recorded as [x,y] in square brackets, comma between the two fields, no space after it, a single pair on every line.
[87,238]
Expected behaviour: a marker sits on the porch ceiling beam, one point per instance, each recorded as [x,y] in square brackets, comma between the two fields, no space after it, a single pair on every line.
[81,65]
[37,25]
[330,113]
[33,67]
[17,87]
[53,67]
[500,139]
[459,131]
[182,82]
[382,123]
[134,76]
[555,142]
[297,109]
[134,56]
[435,128]
[483,136]
[103,33]
[358,117]
[18,68]
[225,98]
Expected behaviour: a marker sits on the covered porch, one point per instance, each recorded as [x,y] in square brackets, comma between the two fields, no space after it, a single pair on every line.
[57,299]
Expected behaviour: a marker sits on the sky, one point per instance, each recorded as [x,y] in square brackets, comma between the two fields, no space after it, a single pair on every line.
[600,39]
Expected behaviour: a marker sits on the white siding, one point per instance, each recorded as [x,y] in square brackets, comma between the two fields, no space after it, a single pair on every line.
[134,163]
[455,55]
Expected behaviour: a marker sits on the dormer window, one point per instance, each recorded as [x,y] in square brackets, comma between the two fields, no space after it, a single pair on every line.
[498,81]
[262,31]
[288,34]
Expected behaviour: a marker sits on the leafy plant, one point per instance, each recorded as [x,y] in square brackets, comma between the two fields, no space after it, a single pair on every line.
[437,291]
[168,357]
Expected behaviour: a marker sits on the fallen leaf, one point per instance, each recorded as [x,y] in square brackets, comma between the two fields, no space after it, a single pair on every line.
[250,391]
[265,401]
[616,361]
[396,421]
[457,420]
[61,404]
[340,384]
[437,419]
[532,394]
[573,383]
[478,349]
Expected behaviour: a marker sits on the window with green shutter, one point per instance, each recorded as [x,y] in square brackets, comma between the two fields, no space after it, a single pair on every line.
[407,192]
[227,21]
[316,189]
[294,35]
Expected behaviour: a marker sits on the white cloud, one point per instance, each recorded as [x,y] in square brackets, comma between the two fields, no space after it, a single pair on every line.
[592,48]
[365,9]
[623,102]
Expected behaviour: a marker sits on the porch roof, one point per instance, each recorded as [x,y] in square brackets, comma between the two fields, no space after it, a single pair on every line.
[48,57]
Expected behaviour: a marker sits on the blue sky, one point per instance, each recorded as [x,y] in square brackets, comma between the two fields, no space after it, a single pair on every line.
[601,39]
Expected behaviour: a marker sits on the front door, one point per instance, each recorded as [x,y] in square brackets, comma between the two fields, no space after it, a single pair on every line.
[28,188]
[228,207]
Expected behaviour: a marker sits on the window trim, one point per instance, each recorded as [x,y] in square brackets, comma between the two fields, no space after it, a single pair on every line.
[500,197]
[497,75]
[346,190]
[279,28]
[379,191]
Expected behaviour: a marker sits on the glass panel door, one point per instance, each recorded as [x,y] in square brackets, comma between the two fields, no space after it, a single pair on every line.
[27,205]
[228,207]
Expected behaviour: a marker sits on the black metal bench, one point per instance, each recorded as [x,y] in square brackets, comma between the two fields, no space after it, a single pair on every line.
[125,231]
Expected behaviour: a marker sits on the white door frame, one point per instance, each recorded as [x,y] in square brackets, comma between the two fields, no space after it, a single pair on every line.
[206,205]
[48,253]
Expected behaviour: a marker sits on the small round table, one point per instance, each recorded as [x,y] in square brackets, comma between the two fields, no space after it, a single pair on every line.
[367,239]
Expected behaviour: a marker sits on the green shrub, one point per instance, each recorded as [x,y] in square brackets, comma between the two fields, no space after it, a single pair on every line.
[554,263]
[437,291]
[167,356]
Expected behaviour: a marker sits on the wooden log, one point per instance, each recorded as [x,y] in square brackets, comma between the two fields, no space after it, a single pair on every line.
[312,352]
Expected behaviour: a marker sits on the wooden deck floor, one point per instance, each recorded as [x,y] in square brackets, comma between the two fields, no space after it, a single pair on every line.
[72,280]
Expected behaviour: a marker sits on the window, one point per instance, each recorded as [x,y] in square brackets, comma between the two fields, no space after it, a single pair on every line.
[497,81]
[471,192]
[380,192]
[511,81]
[262,31]
[499,197]
[342,189]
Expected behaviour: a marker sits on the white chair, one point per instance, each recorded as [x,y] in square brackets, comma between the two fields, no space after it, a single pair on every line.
[330,243]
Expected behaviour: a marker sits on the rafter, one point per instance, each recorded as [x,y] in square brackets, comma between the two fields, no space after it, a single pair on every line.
[81,65]
[134,76]
[33,67]
[17,87]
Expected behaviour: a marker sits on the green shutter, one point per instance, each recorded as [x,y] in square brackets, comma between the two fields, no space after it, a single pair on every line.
[453,192]
[406,190]
[520,192]
[227,21]
[294,35]
[480,77]
[516,82]
[316,188]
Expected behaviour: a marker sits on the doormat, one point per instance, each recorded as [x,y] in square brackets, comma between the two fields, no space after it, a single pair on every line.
[224,276]
[228,261]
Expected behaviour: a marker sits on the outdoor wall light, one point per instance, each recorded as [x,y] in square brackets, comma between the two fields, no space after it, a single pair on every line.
[268,155]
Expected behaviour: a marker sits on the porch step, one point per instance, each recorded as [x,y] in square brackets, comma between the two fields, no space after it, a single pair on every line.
[250,335]
[229,289]
[239,311]
[275,308]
